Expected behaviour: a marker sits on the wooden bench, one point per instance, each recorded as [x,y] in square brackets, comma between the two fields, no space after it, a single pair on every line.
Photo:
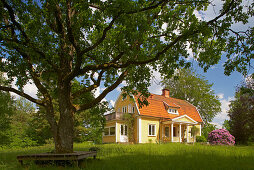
[76,156]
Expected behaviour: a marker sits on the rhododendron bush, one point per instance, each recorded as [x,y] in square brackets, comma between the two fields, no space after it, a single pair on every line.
[221,137]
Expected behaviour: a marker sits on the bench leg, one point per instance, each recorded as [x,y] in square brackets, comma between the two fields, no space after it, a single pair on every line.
[21,162]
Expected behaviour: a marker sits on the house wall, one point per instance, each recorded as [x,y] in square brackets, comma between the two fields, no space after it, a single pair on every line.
[198,134]
[145,128]
[109,139]
[129,103]
[126,102]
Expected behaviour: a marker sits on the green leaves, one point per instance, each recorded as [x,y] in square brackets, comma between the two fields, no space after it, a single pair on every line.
[195,89]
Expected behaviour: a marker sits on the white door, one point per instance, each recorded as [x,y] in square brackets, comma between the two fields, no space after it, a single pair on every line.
[123,133]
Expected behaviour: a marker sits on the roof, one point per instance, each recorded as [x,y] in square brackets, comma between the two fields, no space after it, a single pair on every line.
[157,103]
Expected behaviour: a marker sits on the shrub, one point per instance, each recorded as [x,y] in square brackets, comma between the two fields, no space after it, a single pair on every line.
[201,139]
[221,137]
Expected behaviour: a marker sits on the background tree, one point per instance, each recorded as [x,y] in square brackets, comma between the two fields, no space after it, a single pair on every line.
[6,111]
[195,89]
[103,43]
[207,129]
[226,125]
[241,113]
[194,131]
[20,124]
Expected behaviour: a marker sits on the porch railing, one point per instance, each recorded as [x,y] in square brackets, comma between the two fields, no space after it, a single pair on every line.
[114,116]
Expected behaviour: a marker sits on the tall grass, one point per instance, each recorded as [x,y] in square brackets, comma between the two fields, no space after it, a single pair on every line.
[148,156]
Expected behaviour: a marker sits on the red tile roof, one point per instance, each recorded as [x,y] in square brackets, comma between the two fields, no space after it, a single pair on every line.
[156,108]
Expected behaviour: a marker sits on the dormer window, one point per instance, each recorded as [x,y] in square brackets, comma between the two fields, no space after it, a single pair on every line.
[172,111]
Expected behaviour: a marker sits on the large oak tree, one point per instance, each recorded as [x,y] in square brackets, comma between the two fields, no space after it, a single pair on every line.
[52,43]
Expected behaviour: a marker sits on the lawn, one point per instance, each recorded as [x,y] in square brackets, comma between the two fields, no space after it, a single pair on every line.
[147,156]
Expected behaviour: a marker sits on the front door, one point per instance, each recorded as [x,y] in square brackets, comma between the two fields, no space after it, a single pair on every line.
[123,133]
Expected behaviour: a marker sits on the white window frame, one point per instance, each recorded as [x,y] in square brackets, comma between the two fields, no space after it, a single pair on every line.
[152,128]
[125,130]
[173,111]
[124,109]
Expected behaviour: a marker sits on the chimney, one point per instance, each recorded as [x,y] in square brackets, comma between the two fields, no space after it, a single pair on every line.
[165,92]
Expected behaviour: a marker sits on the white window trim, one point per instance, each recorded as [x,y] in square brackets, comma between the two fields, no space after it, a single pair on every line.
[109,131]
[124,130]
[154,129]
[173,112]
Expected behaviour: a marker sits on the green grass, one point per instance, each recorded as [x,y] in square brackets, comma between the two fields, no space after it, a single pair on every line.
[147,156]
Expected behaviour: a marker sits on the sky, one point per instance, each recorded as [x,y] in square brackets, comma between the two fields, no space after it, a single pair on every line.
[223,86]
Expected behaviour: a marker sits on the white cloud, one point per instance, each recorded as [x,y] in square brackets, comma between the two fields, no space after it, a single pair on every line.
[97,92]
[112,102]
[155,87]
[220,95]
[118,89]
[217,125]
[29,89]
[219,119]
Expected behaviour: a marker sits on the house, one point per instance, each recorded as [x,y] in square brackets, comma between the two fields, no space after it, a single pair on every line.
[165,119]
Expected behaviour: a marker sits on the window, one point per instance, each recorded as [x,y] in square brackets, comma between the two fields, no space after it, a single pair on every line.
[124,130]
[106,131]
[167,131]
[109,131]
[172,111]
[125,109]
[151,130]
[133,109]
[112,130]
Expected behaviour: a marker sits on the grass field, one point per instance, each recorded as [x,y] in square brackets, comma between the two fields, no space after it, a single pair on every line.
[146,156]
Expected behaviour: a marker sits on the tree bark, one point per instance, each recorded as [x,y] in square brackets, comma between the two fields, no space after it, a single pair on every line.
[65,128]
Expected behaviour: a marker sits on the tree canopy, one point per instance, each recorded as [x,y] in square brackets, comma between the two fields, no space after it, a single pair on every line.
[241,113]
[194,88]
[52,43]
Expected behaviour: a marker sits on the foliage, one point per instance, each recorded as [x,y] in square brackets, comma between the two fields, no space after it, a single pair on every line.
[194,88]
[221,137]
[194,131]
[20,124]
[102,43]
[207,129]
[226,125]
[6,111]
[241,113]
[201,139]
[129,121]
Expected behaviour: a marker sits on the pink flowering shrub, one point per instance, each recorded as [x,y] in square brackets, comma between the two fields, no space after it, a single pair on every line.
[221,137]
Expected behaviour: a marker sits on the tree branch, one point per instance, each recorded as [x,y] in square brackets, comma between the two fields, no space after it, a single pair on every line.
[103,94]
[28,97]
[90,88]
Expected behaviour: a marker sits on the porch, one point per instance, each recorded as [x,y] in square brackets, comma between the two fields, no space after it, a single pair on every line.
[179,132]
[179,129]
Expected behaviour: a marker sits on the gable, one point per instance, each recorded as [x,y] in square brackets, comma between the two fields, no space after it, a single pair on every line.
[184,119]
[127,102]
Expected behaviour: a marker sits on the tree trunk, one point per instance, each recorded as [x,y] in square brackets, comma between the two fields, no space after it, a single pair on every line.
[65,128]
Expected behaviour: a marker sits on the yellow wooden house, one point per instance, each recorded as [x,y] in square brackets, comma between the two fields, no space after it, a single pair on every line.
[165,119]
